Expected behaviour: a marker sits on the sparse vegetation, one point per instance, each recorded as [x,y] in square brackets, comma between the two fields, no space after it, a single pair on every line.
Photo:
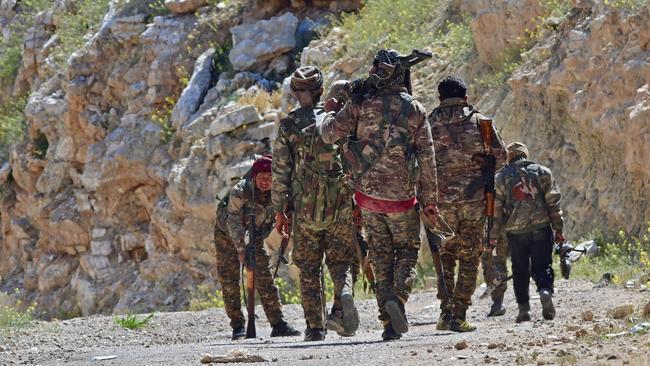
[163,118]
[131,321]
[14,313]
[12,125]
[262,100]
[625,258]
[205,298]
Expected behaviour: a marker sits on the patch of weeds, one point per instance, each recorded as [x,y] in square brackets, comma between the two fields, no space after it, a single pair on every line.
[630,5]
[289,294]
[15,313]
[262,100]
[12,125]
[11,46]
[626,257]
[498,77]
[158,8]
[163,118]
[205,298]
[76,24]
[131,321]
[455,42]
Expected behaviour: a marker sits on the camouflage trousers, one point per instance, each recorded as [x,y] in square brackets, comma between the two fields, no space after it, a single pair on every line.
[336,245]
[393,244]
[228,271]
[467,221]
[499,268]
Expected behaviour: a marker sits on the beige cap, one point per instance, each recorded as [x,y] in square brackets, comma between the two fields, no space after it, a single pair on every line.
[517,149]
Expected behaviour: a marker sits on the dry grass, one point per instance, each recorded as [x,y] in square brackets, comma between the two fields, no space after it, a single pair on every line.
[262,100]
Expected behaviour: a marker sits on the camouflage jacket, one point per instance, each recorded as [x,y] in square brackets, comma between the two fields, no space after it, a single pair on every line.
[527,198]
[458,144]
[241,205]
[390,177]
[307,172]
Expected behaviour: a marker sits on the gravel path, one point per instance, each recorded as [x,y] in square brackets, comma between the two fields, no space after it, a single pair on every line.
[182,338]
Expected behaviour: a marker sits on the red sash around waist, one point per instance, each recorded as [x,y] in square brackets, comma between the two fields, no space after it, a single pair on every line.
[383,206]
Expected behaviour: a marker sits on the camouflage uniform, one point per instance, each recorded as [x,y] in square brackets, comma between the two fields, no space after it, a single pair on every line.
[499,268]
[393,238]
[527,206]
[322,217]
[459,145]
[240,206]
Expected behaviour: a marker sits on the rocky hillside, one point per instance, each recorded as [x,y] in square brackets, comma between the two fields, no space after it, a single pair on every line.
[108,203]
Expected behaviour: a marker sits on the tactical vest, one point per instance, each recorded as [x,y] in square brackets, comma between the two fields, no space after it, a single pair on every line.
[361,155]
[222,206]
[319,182]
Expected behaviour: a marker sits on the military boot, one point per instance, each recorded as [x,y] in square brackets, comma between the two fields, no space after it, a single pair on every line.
[390,334]
[524,313]
[335,322]
[314,334]
[350,313]
[238,333]
[546,298]
[497,308]
[283,329]
[443,321]
[395,309]
[460,325]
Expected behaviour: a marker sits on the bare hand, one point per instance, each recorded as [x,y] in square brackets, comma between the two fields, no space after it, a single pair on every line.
[332,105]
[559,238]
[282,223]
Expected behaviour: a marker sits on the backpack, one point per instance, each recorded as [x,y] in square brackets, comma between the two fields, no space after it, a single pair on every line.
[319,181]
[360,156]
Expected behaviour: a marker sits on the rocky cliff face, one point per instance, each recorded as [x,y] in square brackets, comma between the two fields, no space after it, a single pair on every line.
[141,132]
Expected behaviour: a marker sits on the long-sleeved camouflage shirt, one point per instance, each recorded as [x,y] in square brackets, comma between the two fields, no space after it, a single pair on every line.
[389,178]
[291,160]
[240,207]
[527,198]
[459,149]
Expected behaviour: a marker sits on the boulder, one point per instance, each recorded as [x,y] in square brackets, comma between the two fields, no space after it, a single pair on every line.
[621,311]
[98,267]
[255,44]
[184,6]
[239,117]
[55,275]
[193,94]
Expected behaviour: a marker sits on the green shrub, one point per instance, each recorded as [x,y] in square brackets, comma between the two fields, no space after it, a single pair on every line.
[12,125]
[14,313]
[76,24]
[163,118]
[626,258]
[631,5]
[205,298]
[402,25]
[131,321]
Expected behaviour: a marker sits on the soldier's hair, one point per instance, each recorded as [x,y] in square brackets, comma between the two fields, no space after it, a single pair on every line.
[452,87]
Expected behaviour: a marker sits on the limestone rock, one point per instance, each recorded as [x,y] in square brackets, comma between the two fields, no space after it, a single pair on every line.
[241,116]
[255,44]
[56,274]
[621,311]
[461,345]
[192,96]
[184,6]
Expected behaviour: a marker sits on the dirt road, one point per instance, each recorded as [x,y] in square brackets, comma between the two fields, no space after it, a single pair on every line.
[182,338]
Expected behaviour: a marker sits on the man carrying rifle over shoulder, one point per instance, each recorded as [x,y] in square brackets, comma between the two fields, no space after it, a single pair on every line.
[461,158]
[527,209]
[249,198]
[384,136]
[308,176]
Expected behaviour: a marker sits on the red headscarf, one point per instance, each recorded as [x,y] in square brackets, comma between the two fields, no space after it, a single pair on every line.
[263,164]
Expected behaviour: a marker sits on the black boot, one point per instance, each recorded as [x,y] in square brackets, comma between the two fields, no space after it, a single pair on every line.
[524,313]
[238,333]
[395,310]
[283,329]
[314,334]
[390,334]
[546,298]
[497,308]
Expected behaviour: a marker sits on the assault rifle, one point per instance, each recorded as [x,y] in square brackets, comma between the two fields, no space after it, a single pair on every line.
[249,263]
[563,250]
[281,258]
[488,170]
[435,241]
[361,88]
